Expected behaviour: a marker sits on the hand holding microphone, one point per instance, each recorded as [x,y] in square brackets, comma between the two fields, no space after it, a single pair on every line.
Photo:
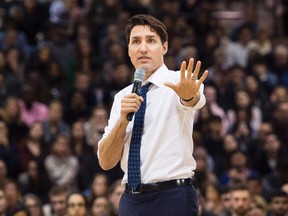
[139,76]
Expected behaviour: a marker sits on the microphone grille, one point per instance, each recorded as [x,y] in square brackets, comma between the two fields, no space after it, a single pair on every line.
[139,74]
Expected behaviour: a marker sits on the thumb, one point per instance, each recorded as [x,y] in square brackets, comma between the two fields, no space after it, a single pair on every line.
[170,85]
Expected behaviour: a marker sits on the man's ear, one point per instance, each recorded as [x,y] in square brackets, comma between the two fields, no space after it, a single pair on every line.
[165,47]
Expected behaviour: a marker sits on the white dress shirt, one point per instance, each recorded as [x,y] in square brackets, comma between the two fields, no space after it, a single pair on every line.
[167,145]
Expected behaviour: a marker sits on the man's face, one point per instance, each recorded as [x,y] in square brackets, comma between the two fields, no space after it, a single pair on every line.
[58,204]
[279,206]
[145,49]
[240,201]
[76,205]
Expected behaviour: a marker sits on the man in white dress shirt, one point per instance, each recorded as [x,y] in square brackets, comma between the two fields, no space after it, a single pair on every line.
[167,164]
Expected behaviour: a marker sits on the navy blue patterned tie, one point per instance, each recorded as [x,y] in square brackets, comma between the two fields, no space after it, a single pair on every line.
[134,175]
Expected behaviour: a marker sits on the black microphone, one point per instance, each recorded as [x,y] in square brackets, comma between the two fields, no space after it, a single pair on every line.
[139,76]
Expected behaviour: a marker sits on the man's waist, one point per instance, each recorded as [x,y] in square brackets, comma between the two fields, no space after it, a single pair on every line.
[158,186]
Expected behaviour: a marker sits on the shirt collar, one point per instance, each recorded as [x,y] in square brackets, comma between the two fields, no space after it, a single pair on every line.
[158,77]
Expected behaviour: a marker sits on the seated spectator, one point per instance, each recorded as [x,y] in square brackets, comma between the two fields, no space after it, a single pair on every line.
[239,171]
[244,111]
[225,201]
[274,180]
[31,110]
[57,201]
[94,126]
[258,206]
[266,158]
[8,152]
[62,166]
[278,203]
[76,205]
[78,142]
[13,195]
[12,116]
[241,199]
[55,124]
[35,180]
[33,147]
[280,122]
[100,206]
[114,194]
[98,187]
[204,171]
[33,204]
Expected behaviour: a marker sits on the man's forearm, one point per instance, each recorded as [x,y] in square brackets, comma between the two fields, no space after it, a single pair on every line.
[111,148]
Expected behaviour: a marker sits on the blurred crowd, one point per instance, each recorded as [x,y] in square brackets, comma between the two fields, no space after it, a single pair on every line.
[62,62]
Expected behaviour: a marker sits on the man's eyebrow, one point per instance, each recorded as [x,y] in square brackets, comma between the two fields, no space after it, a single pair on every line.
[148,36]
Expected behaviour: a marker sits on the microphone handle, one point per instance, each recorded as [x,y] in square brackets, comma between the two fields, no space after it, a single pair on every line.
[136,89]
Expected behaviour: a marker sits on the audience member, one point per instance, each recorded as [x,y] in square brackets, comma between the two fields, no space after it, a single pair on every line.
[62,166]
[99,186]
[76,205]
[13,195]
[94,126]
[57,201]
[30,108]
[241,199]
[278,203]
[33,204]
[114,195]
[55,124]
[100,206]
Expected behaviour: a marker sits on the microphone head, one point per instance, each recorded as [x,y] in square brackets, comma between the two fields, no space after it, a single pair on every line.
[139,74]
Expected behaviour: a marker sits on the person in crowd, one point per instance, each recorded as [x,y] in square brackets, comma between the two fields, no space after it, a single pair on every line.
[99,187]
[30,108]
[57,201]
[34,204]
[100,206]
[12,116]
[79,145]
[35,180]
[115,193]
[8,151]
[62,166]
[55,123]
[278,203]
[280,122]
[13,195]
[76,205]
[239,169]
[181,93]
[258,206]
[274,180]
[204,174]
[34,147]
[81,89]
[225,201]
[241,199]
[94,126]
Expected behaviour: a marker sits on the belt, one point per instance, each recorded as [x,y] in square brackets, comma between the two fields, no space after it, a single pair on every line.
[159,186]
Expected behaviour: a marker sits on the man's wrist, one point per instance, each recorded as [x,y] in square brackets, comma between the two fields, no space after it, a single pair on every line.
[187,100]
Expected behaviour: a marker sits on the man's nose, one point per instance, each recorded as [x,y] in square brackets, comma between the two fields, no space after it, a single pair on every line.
[143,46]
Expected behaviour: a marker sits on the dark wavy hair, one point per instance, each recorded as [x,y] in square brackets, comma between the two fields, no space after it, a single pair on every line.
[145,19]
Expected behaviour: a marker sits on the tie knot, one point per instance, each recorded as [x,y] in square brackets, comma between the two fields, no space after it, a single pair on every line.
[145,88]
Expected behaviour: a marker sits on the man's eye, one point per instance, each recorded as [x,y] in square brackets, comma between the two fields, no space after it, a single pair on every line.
[151,41]
[135,42]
